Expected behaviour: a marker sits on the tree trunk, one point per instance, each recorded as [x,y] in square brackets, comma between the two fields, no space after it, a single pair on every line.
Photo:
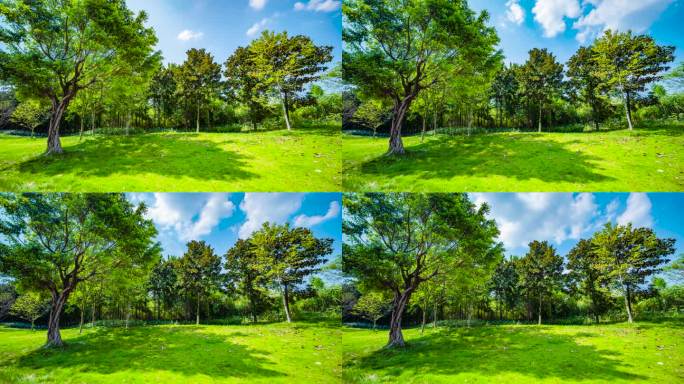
[80,325]
[54,338]
[286,303]
[198,116]
[128,121]
[396,145]
[252,306]
[540,309]
[80,133]
[628,304]
[32,323]
[422,133]
[422,324]
[197,311]
[374,321]
[628,110]
[286,112]
[540,118]
[396,338]
[54,143]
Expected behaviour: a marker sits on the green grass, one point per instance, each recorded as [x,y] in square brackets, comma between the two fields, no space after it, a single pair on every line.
[645,160]
[303,160]
[617,353]
[274,353]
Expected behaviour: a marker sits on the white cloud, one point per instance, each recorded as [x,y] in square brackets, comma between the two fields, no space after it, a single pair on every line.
[619,15]
[555,217]
[258,26]
[318,5]
[189,216]
[638,211]
[258,4]
[272,207]
[188,35]
[515,13]
[310,221]
[551,14]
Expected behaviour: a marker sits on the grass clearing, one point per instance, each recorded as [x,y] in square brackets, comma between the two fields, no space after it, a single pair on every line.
[645,160]
[264,353]
[302,160]
[616,353]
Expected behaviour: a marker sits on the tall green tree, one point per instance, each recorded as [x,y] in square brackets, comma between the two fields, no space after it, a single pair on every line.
[54,49]
[286,64]
[200,272]
[505,285]
[199,80]
[397,48]
[30,307]
[53,242]
[163,284]
[541,271]
[541,79]
[242,271]
[627,63]
[286,256]
[583,72]
[584,272]
[242,83]
[626,256]
[397,241]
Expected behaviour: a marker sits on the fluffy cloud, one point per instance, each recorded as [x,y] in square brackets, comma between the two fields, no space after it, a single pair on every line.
[190,216]
[515,13]
[318,5]
[618,15]
[310,221]
[556,217]
[272,207]
[638,211]
[551,14]
[257,4]
[258,26]
[188,35]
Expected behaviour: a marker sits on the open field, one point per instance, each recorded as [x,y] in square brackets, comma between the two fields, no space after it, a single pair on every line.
[303,160]
[274,353]
[617,353]
[645,160]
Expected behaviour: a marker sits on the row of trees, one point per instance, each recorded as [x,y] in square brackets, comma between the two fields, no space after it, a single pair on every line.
[432,255]
[96,254]
[93,61]
[436,61]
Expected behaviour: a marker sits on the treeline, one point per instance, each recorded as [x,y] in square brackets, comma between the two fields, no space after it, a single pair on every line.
[91,64]
[413,69]
[414,259]
[70,259]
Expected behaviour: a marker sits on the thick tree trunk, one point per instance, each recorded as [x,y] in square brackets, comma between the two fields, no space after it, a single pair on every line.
[54,143]
[396,145]
[286,303]
[54,338]
[197,310]
[286,112]
[628,304]
[396,337]
[628,110]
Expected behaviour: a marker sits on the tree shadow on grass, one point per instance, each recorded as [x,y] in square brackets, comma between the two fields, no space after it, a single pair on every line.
[521,157]
[491,351]
[181,350]
[178,155]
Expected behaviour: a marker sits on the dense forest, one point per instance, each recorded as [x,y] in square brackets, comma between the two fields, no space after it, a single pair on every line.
[92,259]
[90,66]
[416,67]
[415,258]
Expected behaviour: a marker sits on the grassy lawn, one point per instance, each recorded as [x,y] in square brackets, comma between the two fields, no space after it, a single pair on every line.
[647,159]
[275,353]
[617,353]
[303,160]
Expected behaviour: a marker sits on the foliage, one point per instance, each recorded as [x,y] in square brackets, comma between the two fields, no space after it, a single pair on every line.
[371,306]
[30,306]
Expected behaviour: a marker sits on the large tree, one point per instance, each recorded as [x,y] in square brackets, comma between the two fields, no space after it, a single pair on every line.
[541,271]
[55,48]
[626,256]
[397,241]
[286,64]
[30,307]
[242,272]
[585,80]
[542,79]
[627,63]
[397,48]
[286,256]
[243,85]
[585,275]
[199,80]
[200,272]
[53,242]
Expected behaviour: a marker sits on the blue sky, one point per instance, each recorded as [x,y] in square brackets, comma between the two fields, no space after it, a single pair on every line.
[563,25]
[221,26]
[222,218]
[564,218]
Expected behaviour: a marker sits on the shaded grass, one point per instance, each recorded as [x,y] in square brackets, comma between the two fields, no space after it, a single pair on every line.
[303,160]
[615,353]
[274,353]
[645,160]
